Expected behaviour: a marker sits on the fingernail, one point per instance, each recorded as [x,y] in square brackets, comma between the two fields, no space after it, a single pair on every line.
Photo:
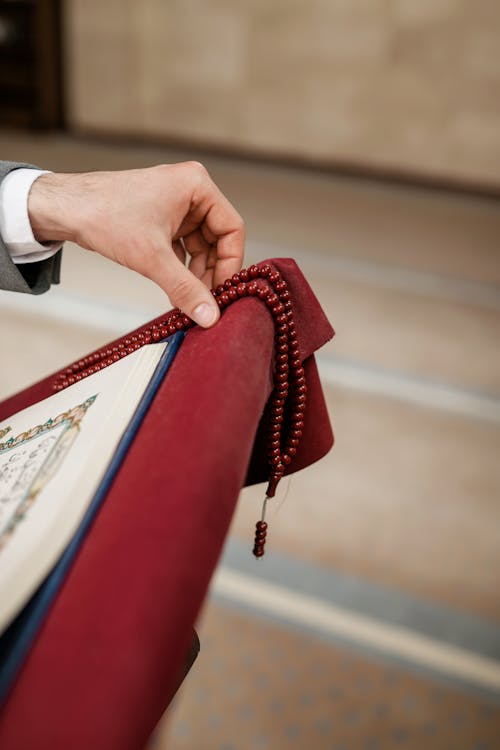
[204,315]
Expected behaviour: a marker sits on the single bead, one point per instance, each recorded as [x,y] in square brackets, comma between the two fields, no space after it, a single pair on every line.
[274,277]
[261,525]
[252,288]
[258,551]
[242,290]
[296,433]
[263,292]
[292,450]
[244,275]
[224,298]
[219,289]
[233,294]
[228,284]
[254,271]
[235,279]
[265,270]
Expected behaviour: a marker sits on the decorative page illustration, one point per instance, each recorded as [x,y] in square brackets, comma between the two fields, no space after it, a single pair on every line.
[53,456]
[30,460]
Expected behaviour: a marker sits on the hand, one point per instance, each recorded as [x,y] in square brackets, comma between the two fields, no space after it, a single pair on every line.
[148,220]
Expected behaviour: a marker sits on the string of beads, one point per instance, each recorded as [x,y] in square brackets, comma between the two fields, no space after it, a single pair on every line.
[288,398]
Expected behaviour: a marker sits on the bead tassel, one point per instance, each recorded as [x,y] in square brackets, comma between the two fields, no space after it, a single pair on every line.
[288,399]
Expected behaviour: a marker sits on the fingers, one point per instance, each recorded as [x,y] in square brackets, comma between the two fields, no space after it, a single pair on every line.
[212,219]
[183,288]
[225,224]
[229,256]
[203,256]
[179,250]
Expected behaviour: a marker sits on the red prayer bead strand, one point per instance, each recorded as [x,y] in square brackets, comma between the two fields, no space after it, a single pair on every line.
[289,394]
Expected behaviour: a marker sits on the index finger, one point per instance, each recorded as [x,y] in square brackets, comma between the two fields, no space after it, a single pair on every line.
[224,225]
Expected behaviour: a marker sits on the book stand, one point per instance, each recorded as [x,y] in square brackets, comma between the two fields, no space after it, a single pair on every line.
[112,650]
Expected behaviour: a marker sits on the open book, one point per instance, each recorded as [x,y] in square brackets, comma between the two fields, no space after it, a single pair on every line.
[57,459]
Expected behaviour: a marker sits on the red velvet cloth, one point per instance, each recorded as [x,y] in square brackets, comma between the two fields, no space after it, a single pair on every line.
[106,662]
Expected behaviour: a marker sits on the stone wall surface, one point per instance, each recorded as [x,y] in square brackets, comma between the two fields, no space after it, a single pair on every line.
[403,85]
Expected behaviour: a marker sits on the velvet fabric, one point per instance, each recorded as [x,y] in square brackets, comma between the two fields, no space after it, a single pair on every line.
[108,657]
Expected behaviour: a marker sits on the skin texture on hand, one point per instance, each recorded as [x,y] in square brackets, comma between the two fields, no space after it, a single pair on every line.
[149,220]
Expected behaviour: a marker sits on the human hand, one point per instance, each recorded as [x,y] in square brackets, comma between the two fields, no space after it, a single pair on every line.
[148,220]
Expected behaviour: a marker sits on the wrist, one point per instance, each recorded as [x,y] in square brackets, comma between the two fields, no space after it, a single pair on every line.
[50,208]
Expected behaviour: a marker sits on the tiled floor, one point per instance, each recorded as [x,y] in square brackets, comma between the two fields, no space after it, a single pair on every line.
[409,499]
[260,687]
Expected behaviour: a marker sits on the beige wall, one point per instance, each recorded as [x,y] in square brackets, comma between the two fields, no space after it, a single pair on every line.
[411,85]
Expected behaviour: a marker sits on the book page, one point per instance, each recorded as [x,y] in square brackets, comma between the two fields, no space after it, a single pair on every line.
[52,458]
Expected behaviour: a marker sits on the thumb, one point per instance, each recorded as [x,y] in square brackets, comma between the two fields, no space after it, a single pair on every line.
[188,293]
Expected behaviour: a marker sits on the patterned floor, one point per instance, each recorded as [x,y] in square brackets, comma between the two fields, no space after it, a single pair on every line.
[258,686]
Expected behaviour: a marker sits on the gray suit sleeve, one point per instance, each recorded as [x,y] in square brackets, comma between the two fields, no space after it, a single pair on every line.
[31,278]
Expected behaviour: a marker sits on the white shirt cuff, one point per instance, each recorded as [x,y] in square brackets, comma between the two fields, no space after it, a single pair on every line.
[15,227]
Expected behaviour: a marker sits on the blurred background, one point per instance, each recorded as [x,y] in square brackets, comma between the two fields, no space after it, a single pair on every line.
[362,138]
